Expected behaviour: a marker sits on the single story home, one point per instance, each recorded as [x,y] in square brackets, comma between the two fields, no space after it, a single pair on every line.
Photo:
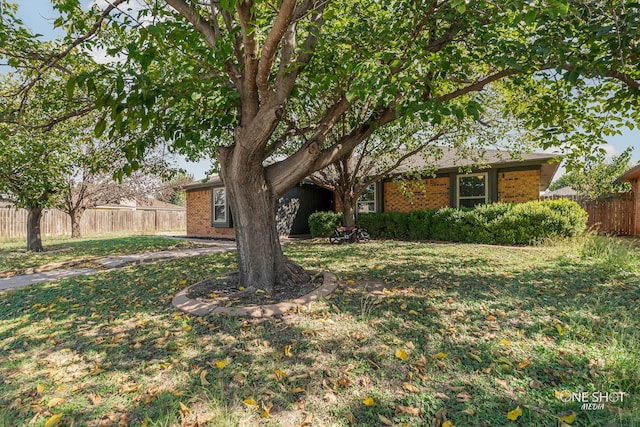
[633,176]
[208,213]
[456,182]
[463,181]
[564,192]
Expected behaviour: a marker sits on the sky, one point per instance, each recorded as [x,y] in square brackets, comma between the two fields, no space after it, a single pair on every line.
[39,16]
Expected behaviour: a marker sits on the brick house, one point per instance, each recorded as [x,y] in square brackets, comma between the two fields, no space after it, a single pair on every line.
[464,181]
[633,176]
[208,213]
[456,182]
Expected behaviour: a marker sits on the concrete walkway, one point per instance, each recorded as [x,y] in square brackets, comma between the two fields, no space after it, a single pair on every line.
[110,263]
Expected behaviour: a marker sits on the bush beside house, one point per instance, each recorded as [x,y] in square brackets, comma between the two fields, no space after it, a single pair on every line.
[322,224]
[493,223]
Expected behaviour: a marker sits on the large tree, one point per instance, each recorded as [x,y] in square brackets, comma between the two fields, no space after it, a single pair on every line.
[226,75]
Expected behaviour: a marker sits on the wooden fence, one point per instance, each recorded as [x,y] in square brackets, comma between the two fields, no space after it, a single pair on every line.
[13,222]
[612,216]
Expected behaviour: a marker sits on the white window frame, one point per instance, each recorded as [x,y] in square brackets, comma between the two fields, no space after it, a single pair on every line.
[486,188]
[214,220]
[368,202]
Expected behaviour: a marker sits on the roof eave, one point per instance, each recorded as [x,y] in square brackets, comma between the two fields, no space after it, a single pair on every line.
[633,173]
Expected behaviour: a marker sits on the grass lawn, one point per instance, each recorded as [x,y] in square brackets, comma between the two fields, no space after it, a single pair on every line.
[13,254]
[467,335]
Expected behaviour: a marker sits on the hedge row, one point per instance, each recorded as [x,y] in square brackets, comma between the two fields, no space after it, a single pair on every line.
[494,223]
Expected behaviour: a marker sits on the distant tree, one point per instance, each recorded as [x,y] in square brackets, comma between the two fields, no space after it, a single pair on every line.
[32,168]
[172,190]
[597,179]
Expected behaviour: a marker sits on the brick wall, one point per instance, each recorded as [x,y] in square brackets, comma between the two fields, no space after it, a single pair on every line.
[199,215]
[519,186]
[434,194]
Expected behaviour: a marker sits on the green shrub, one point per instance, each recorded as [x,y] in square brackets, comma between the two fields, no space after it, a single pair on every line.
[494,223]
[322,224]
[575,218]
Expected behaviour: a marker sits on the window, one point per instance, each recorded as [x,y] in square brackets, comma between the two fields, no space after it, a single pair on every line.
[367,202]
[219,205]
[472,190]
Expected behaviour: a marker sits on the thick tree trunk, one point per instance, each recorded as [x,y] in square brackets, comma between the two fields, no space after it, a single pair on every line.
[261,263]
[34,239]
[348,211]
[76,216]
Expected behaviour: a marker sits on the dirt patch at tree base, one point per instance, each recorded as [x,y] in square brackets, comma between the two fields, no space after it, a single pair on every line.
[222,295]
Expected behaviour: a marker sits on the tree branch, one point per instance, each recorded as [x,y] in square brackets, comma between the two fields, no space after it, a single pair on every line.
[271,43]
[191,14]
[477,86]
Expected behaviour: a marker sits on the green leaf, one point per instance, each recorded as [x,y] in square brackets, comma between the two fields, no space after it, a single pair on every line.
[100,127]
[71,85]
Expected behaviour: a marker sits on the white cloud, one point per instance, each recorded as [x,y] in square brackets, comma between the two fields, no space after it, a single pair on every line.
[610,150]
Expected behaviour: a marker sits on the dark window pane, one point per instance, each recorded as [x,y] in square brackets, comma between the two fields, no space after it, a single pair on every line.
[219,214]
[472,186]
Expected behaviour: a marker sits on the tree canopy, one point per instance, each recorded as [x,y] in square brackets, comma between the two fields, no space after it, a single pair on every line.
[239,78]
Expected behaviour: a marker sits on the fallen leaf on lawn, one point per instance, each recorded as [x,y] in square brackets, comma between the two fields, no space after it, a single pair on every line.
[504,342]
[287,350]
[297,390]
[39,388]
[503,360]
[440,355]
[385,420]
[560,329]
[524,363]
[94,399]
[266,410]
[280,374]
[129,388]
[187,328]
[402,354]
[415,313]
[535,384]
[307,420]
[475,357]
[349,416]
[55,402]
[568,417]
[491,318]
[410,387]
[203,378]
[182,282]
[250,402]
[514,414]
[53,421]
[464,397]
[440,395]
[220,364]
[409,410]
[448,424]
[369,401]
[468,411]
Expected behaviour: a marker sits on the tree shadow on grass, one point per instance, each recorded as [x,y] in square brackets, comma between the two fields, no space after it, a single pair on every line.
[476,339]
